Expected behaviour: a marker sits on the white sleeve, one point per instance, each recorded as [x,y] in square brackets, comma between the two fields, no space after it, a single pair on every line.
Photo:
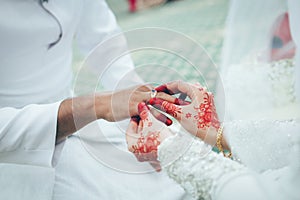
[96,28]
[252,142]
[205,174]
[28,135]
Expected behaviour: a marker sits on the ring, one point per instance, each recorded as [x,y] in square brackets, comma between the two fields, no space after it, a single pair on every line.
[153,93]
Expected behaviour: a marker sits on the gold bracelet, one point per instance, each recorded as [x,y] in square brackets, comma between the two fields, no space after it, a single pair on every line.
[219,142]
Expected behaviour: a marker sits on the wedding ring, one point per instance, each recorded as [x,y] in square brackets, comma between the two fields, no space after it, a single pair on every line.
[153,93]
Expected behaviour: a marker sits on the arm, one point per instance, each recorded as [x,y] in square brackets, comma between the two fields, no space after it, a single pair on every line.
[28,135]
[77,112]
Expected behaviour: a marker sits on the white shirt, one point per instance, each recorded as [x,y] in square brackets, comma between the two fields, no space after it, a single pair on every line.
[35,75]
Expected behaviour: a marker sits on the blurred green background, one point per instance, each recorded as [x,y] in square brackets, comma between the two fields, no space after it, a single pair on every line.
[201,20]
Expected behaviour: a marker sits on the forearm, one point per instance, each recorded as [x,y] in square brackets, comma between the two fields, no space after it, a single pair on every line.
[75,113]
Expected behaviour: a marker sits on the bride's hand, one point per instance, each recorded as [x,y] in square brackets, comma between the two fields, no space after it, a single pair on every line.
[198,117]
[145,134]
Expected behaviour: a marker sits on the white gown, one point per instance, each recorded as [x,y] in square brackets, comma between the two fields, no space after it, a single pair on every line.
[262,126]
[266,151]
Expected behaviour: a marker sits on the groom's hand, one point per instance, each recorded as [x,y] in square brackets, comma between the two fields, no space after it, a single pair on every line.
[123,104]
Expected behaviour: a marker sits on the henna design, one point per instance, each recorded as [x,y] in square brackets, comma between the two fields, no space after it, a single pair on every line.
[188,115]
[146,148]
[171,108]
[206,113]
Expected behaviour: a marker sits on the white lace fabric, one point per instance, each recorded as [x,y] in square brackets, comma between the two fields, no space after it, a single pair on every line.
[203,173]
[198,170]
[261,144]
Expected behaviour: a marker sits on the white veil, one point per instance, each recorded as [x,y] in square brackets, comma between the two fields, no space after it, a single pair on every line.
[261,76]
[257,35]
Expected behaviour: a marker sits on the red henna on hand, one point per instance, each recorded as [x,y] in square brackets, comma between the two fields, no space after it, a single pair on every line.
[143,110]
[206,113]
[146,148]
[166,106]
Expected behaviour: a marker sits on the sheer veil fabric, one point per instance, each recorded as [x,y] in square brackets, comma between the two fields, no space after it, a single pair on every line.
[262,86]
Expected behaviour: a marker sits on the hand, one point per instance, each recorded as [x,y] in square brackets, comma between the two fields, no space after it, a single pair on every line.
[199,117]
[144,135]
[77,112]
[124,103]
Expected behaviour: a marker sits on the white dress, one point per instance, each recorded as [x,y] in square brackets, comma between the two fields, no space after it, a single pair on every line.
[208,175]
[266,151]
[262,124]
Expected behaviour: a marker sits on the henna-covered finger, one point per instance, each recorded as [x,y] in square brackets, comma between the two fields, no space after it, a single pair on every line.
[131,133]
[143,110]
[165,106]
[161,117]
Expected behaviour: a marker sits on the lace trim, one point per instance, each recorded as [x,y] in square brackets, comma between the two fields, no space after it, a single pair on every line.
[197,169]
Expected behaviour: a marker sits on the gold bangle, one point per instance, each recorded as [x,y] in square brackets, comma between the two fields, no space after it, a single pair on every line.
[219,142]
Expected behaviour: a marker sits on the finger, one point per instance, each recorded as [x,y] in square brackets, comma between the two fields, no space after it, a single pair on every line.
[163,88]
[132,128]
[171,99]
[131,133]
[165,96]
[183,87]
[176,87]
[165,106]
[145,88]
[156,165]
[161,117]
[143,110]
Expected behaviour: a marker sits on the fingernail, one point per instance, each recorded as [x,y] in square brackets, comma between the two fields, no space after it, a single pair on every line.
[169,122]
[152,101]
[161,88]
[135,119]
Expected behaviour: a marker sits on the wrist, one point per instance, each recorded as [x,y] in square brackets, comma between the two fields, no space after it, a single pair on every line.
[103,106]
